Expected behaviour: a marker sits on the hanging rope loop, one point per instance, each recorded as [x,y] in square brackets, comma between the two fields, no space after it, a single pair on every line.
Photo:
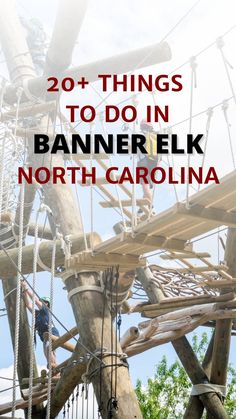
[193,65]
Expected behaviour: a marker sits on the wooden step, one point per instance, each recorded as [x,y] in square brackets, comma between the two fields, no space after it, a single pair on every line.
[125,203]
[187,255]
[103,260]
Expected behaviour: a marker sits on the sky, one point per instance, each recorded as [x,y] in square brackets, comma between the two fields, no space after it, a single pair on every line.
[112,28]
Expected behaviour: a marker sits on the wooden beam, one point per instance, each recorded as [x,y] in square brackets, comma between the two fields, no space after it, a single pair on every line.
[181,302]
[211,214]
[121,63]
[8,269]
[195,407]
[22,404]
[197,375]
[20,67]
[70,16]
[64,338]
[70,378]
[223,328]
[88,307]
[102,261]
[157,242]
[43,232]
[187,357]
[60,342]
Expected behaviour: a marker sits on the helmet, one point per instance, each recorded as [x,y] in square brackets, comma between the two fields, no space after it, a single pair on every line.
[145,125]
[46,299]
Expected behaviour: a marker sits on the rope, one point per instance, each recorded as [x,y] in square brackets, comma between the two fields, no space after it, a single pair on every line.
[2,175]
[55,317]
[225,106]
[220,44]
[199,389]
[115,176]
[91,197]
[35,262]
[50,330]
[193,84]
[208,123]
[81,218]
[134,164]
[19,96]
[18,297]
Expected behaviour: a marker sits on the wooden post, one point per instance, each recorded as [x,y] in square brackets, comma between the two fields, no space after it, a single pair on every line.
[189,360]
[88,307]
[195,407]
[20,67]
[8,268]
[223,328]
[70,15]
[122,63]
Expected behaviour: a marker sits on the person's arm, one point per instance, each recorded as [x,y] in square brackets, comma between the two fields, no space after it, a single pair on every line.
[27,295]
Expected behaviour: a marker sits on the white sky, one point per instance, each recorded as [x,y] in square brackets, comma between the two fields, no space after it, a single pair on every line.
[114,27]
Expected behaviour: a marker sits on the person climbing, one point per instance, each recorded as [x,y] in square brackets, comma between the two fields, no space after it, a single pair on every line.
[149,160]
[36,39]
[41,321]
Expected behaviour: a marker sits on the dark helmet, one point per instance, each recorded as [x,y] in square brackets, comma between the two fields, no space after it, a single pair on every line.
[45,300]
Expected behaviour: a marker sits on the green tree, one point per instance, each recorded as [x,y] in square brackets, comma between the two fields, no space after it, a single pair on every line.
[166,395]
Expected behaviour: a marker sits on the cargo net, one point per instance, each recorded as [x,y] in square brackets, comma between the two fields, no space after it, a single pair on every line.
[176,284]
[11,155]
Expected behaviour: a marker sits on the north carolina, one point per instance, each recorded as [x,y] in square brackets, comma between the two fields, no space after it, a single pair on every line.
[117,175]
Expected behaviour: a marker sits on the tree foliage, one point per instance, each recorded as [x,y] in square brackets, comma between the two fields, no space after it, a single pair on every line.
[166,395]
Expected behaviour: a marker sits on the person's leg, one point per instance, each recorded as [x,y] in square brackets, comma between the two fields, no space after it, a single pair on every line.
[147,193]
[49,357]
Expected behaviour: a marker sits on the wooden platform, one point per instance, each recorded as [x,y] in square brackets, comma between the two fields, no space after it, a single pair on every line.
[174,228]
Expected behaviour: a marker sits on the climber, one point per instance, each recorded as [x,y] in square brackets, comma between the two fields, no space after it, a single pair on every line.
[149,160]
[36,39]
[41,321]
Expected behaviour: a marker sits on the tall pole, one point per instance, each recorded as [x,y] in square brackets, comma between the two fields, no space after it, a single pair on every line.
[20,68]
[87,308]
[223,328]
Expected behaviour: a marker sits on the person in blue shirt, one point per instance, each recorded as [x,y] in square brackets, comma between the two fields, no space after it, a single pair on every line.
[41,321]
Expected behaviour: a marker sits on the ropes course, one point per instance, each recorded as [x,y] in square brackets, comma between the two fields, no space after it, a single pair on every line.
[150,264]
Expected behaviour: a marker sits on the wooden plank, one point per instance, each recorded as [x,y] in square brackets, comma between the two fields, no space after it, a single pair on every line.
[65,345]
[64,338]
[43,232]
[21,404]
[223,328]
[187,255]
[8,269]
[210,213]
[103,260]
[172,303]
